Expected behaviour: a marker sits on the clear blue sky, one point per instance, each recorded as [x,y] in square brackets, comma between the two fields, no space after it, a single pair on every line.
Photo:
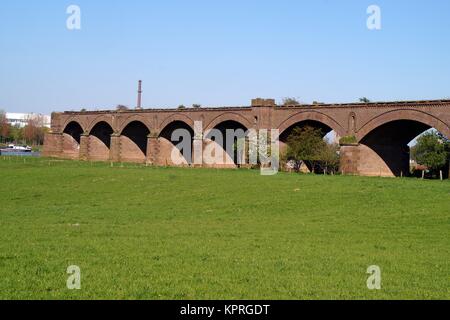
[219,52]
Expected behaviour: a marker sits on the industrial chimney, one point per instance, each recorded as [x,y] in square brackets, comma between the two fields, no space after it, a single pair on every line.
[139,100]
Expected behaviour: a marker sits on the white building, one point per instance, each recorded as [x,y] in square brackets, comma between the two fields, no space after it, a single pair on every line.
[21,119]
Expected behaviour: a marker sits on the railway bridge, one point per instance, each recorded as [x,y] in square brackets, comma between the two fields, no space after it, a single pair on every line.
[380,132]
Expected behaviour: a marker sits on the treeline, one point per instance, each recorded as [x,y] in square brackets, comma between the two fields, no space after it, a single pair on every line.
[32,134]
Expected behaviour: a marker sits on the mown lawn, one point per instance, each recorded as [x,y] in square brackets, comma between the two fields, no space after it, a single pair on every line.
[166,233]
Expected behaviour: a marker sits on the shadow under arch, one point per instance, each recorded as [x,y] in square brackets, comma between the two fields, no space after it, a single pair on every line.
[100,141]
[102,131]
[179,135]
[74,130]
[134,142]
[72,139]
[384,140]
[230,132]
[389,144]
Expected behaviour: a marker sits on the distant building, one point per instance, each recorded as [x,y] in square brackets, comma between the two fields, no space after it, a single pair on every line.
[21,119]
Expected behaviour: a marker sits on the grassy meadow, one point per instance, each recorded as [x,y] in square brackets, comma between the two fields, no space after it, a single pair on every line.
[140,232]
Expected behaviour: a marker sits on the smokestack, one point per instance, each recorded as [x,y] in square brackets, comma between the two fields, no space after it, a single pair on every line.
[139,101]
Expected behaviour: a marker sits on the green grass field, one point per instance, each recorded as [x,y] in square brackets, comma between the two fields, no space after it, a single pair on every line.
[167,233]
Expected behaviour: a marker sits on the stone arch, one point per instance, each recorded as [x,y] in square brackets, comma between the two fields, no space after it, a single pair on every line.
[74,129]
[174,118]
[383,141]
[312,116]
[99,143]
[229,116]
[401,114]
[103,131]
[125,121]
[223,149]
[97,120]
[74,119]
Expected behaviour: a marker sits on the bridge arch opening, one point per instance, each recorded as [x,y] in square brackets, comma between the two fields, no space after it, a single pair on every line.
[227,144]
[176,143]
[133,142]
[328,134]
[71,140]
[387,148]
[100,141]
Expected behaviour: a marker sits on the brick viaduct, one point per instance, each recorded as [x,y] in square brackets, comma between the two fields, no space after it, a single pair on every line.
[382,131]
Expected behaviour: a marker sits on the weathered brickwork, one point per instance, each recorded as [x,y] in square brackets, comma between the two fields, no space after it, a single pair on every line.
[382,131]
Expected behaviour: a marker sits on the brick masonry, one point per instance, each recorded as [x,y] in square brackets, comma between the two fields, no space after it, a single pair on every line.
[381,130]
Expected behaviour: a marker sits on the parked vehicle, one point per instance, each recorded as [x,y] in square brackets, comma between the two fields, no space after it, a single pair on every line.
[14,149]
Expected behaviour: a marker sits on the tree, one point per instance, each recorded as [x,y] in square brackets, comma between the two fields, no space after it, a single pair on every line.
[196,106]
[431,151]
[447,149]
[329,158]
[4,125]
[364,100]
[306,144]
[34,131]
[121,108]
[16,134]
[290,102]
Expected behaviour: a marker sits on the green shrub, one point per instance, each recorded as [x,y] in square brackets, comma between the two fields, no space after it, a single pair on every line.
[348,140]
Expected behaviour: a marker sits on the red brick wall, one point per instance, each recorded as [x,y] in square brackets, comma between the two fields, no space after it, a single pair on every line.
[71,148]
[97,150]
[166,148]
[52,145]
[361,160]
[130,152]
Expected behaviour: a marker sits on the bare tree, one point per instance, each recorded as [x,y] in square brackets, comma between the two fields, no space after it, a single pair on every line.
[34,131]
